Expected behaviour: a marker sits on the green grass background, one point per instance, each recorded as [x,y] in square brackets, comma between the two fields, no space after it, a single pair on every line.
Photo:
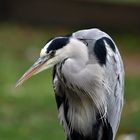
[29,112]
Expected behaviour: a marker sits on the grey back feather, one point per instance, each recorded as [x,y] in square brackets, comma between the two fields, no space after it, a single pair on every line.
[113,76]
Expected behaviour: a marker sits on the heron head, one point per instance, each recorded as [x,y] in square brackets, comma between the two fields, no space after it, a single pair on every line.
[52,53]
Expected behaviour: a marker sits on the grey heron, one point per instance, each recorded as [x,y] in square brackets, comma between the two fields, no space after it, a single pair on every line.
[88,81]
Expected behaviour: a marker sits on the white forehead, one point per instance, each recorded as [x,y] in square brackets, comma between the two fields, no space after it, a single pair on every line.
[44,50]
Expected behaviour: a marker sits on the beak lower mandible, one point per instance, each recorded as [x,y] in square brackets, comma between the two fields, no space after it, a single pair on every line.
[34,69]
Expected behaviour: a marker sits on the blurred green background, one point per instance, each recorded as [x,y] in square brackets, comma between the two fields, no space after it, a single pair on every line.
[29,112]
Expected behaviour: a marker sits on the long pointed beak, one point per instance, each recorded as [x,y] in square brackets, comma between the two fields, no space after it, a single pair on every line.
[34,69]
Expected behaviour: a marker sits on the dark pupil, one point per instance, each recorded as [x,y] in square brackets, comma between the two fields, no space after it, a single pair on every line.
[52,52]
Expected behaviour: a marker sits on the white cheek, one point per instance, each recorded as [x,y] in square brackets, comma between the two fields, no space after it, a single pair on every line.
[52,62]
[62,54]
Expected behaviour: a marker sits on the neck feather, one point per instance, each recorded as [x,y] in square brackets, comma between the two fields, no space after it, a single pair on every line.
[77,53]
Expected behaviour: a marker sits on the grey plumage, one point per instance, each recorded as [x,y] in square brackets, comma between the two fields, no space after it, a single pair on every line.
[98,89]
[88,80]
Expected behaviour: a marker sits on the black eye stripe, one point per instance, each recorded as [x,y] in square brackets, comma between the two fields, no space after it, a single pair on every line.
[58,43]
